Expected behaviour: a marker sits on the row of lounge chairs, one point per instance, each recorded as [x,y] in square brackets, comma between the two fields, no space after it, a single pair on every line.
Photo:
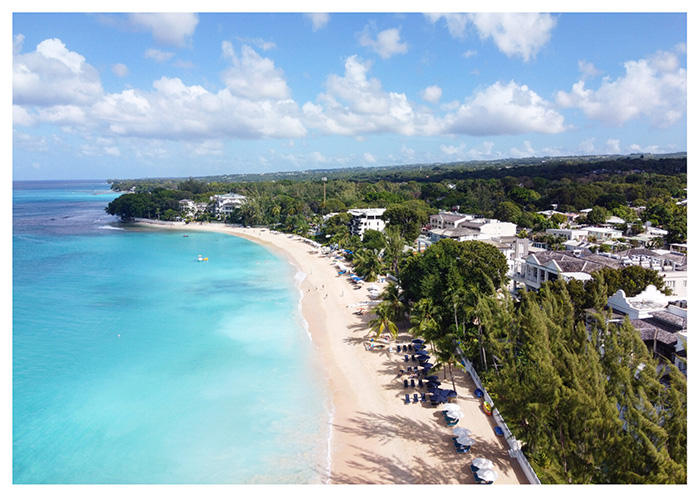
[413,383]
[416,399]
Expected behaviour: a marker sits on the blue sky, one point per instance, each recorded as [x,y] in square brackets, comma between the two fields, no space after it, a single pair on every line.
[99,96]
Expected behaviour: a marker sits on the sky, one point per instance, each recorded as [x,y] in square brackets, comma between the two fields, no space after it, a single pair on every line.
[116,96]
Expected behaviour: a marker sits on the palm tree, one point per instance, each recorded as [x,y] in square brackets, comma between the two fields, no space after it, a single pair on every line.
[423,318]
[445,357]
[394,298]
[394,248]
[368,264]
[383,323]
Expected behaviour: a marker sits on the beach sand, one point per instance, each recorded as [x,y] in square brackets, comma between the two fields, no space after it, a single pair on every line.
[376,438]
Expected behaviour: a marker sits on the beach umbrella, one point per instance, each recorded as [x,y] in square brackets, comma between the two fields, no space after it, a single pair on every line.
[460,431]
[422,352]
[452,407]
[482,463]
[487,474]
[456,414]
[427,365]
[465,440]
[451,394]
[433,377]
[418,340]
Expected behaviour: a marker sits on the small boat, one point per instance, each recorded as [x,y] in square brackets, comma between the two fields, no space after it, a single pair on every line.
[202,259]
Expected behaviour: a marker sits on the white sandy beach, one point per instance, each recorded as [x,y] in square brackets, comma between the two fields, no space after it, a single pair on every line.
[376,438]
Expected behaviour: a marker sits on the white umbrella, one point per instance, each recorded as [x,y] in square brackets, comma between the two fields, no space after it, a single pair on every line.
[460,430]
[465,440]
[482,463]
[487,474]
[451,407]
[455,414]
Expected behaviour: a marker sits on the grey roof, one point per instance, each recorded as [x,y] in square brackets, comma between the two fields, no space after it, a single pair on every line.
[647,331]
[671,319]
[572,264]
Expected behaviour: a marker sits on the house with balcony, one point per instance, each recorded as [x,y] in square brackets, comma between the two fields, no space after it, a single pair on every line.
[366,219]
[224,205]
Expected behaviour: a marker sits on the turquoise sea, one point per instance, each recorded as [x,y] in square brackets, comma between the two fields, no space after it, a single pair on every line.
[135,363]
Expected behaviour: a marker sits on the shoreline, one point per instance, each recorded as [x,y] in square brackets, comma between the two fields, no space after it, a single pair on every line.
[374,437]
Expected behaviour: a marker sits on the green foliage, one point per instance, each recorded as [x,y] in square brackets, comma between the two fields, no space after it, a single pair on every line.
[586,401]
[408,218]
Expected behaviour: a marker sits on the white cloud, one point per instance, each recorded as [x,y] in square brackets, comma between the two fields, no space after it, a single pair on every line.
[504,110]
[655,89]
[318,19]
[387,42]
[515,34]
[53,75]
[468,54]
[612,146]
[588,69]
[526,151]
[17,43]
[431,94]
[120,70]
[175,111]
[260,43]
[456,23]
[158,55]
[587,146]
[167,28]
[56,86]
[252,76]
[483,151]
[452,149]
[205,148]
[353,105]
[369,158]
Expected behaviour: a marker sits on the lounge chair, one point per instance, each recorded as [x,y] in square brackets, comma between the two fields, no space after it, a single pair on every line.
[498,430]
[413,358]
[420,383]
[422,397]
[405,349]
[405,358]
[413,383]
[405,384]
[407,400]
[474,469]
[410,347]
[415,398]
[478,393]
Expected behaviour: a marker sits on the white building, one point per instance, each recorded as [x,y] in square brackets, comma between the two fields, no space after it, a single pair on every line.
[366,219]
[568,234]
[603,233]
[445,220]
[226,203]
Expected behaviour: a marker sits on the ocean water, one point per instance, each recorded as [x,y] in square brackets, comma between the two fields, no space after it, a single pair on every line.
[135,363]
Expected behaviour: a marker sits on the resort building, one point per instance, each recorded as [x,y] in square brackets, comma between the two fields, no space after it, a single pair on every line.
[223,205]
[541,267]
[191,208]
[662,322]
[462,227]
[538,268]
[366,219]
[603,233]
[568,234]
[447,220]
